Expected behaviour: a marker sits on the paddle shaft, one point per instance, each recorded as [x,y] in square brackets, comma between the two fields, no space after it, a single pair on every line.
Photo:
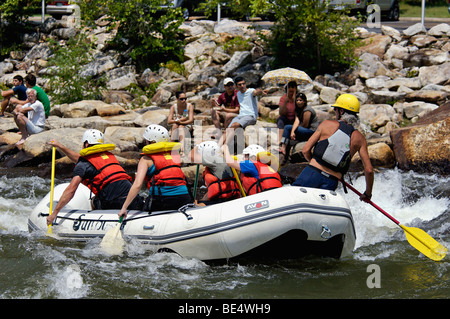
[372,203]
[52,186]
[415,236]
[238,180]
[195,183]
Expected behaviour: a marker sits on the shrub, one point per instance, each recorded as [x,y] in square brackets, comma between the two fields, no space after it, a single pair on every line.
[307,36]
[13,23]
[66,84]
[149,33]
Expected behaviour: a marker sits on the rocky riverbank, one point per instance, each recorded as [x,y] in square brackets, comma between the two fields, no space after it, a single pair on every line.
[401,77]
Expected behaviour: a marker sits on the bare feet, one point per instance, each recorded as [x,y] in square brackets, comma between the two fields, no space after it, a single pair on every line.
[20,142]
[282,149]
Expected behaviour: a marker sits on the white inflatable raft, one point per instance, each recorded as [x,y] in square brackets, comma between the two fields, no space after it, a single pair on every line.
[287,222]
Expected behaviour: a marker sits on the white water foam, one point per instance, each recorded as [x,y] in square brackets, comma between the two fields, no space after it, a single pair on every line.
[372,227]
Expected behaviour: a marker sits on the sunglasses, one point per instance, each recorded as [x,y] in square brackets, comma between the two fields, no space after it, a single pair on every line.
[241,84]
[183,98]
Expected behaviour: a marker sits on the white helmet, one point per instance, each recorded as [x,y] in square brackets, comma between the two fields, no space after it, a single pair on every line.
[253,150]
[208,148]
[156,133]
[92,137]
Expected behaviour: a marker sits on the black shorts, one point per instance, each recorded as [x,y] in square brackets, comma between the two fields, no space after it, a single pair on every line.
[117,203]
[168,202]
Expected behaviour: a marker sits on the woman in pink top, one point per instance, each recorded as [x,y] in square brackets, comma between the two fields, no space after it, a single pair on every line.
[286,108]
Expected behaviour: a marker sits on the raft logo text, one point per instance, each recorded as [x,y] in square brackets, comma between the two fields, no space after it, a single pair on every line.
[256,206]
[225,308]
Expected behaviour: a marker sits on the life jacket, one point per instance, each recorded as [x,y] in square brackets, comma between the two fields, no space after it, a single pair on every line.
[109,169]
[334,152]
[226,188]
[268,179]
[167,161]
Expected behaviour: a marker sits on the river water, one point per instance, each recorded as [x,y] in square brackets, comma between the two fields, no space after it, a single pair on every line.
[383,265]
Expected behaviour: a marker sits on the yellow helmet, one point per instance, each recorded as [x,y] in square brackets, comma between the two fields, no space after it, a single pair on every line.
[347,102]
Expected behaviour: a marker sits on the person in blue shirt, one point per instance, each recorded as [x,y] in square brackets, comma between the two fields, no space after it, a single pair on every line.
[256,176]
[248,109]
[19,90]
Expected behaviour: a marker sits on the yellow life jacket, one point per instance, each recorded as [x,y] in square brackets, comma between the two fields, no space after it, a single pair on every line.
[161,147]
[269,159]
[98,148]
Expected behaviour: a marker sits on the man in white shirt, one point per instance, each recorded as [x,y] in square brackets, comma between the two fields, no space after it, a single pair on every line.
[30,117]
[248,111]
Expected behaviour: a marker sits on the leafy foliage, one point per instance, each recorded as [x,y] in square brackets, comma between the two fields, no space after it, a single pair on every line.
[237,9]
[307,36]
[13,15]
[17,11]
[66,83]
[237,44]
[149,32]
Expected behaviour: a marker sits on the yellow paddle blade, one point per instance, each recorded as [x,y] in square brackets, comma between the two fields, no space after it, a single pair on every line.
[424,243]
[112,243]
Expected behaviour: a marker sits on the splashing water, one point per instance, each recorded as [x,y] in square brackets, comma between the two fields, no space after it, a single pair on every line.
[36,267]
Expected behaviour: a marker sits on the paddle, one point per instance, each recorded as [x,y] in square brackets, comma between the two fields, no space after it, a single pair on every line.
[195,184]
[415,236]
[49,229]
[112,243]
[236,176]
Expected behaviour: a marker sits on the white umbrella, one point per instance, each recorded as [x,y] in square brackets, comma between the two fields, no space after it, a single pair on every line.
[285,75]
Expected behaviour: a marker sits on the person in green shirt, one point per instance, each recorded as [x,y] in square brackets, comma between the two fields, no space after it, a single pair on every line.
[30,82]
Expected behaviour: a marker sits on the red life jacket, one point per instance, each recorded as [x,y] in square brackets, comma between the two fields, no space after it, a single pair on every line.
[226,188]
[109,171]
[268,179]
[167,170]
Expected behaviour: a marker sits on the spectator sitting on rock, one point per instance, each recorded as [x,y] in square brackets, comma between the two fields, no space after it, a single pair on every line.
[286,109]
[30,82]
[19,89]
[30,118]
[248,111]
[226,107]
[181,117]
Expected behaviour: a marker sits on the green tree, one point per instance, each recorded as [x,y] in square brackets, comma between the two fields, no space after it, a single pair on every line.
[149,33]
[67,84]
[13,18]
[307,36]
[18,11]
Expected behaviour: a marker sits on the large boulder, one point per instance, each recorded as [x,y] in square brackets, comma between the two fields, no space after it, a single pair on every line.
[425,146]
[376,45]
[87,108]
[381,155]
[436,74]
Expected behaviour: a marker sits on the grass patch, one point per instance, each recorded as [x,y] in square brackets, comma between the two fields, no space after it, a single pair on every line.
[414,9]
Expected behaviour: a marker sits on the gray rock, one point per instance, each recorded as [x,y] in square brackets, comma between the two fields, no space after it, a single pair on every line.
[436,74]
[238,59]
[415,29]
[390,31]
[6,67]
[439,30]
[39,51]
[386,96]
